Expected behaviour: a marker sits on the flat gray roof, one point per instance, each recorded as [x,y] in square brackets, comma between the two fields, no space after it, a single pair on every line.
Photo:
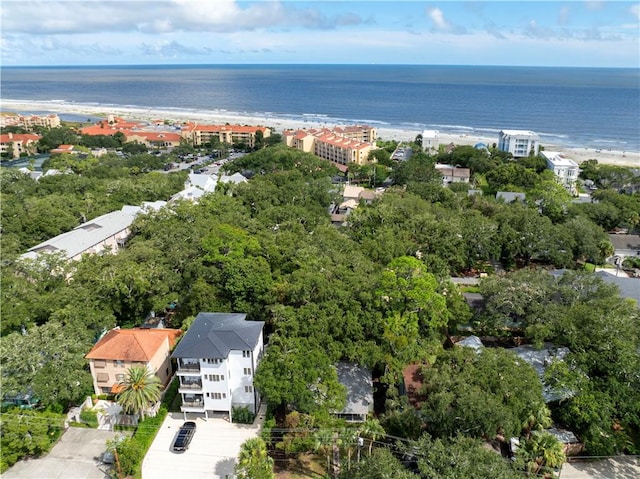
[359,383]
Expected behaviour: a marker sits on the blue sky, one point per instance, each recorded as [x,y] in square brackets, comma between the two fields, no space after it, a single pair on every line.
[108,32]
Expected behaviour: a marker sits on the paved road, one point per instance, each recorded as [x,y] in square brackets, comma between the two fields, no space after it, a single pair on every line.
[212,453]
[75,456]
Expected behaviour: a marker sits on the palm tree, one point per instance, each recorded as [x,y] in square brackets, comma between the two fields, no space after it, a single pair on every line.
[254,461]
[139,389]
[324,443]
[372,430]
[541,453]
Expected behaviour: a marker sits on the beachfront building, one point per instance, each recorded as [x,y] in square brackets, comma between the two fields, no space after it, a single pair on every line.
[565,169]
[361,133]
[217,359]
[329,145]
[431,141]
[520,143]
[106,233]
[13,145]
[152,139]
[232,134]
[30,122]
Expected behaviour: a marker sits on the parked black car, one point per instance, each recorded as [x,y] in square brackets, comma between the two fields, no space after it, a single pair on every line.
[184,436]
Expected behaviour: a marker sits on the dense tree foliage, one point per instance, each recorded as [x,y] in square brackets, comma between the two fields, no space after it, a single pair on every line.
[375,291]
[602,332]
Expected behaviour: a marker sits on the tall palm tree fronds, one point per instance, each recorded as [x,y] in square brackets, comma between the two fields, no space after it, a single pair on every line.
[139,390]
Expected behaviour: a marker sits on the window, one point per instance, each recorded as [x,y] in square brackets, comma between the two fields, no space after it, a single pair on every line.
[246,354]
[217,395]
[119,377]
[214,377]
[99,363]
[102,377]
[166,372]
[247,371]
[119,364]
[213,361]
[248,389]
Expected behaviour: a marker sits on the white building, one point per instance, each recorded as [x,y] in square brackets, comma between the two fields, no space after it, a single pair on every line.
[565,169]
[431,141]
[520,143]
[105,233]
[217,359]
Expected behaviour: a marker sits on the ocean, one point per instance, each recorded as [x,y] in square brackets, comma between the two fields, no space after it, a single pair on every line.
[590,107]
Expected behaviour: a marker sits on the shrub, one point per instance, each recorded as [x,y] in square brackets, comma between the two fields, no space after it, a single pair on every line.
[130,455]
[89,417]
[242,415]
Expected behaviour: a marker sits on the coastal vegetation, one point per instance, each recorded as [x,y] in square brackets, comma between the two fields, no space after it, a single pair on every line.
[376,291]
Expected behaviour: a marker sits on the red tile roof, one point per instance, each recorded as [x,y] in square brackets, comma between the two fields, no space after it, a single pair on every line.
[132,344]
[24,137]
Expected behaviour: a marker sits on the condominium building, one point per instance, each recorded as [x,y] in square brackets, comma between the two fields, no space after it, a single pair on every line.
[361,133]
[520,143]
[565,169]
[31,121]
[330,145]
[217,359]
[201,134]
[12,145]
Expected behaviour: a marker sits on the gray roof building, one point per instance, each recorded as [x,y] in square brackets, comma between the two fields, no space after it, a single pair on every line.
[214,335]
[93,236]
[359,384]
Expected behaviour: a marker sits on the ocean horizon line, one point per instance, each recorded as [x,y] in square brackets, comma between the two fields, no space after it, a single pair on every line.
[301,64]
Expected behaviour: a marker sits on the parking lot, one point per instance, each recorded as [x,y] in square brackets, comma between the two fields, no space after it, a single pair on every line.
[211,454]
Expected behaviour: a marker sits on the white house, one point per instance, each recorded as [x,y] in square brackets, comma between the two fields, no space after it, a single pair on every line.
[430,141]
[217,359]
[565,169]
[520,143]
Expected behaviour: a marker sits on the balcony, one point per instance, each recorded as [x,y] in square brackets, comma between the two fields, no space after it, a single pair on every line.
[190,385]
[192,401]
[188,367]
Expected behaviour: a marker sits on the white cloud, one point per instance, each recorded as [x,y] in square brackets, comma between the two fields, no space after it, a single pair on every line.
[635,11]
[437,17]
[73,17]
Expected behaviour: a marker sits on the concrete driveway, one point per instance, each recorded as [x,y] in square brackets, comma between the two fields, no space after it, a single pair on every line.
[620,467]
[212,453]
[75,456]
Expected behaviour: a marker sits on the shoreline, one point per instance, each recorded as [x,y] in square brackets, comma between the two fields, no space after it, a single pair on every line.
[386,133]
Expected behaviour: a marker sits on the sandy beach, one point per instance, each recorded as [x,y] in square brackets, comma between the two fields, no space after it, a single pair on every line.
[578,154]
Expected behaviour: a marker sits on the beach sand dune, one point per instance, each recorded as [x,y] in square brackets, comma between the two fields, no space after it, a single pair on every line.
[578,154]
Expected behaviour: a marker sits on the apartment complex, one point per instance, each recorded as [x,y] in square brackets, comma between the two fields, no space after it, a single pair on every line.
[30,122]
[217,359]
[565,169]
[201,134]
[331,145]
[12,145]
[120,349]
[520,143]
